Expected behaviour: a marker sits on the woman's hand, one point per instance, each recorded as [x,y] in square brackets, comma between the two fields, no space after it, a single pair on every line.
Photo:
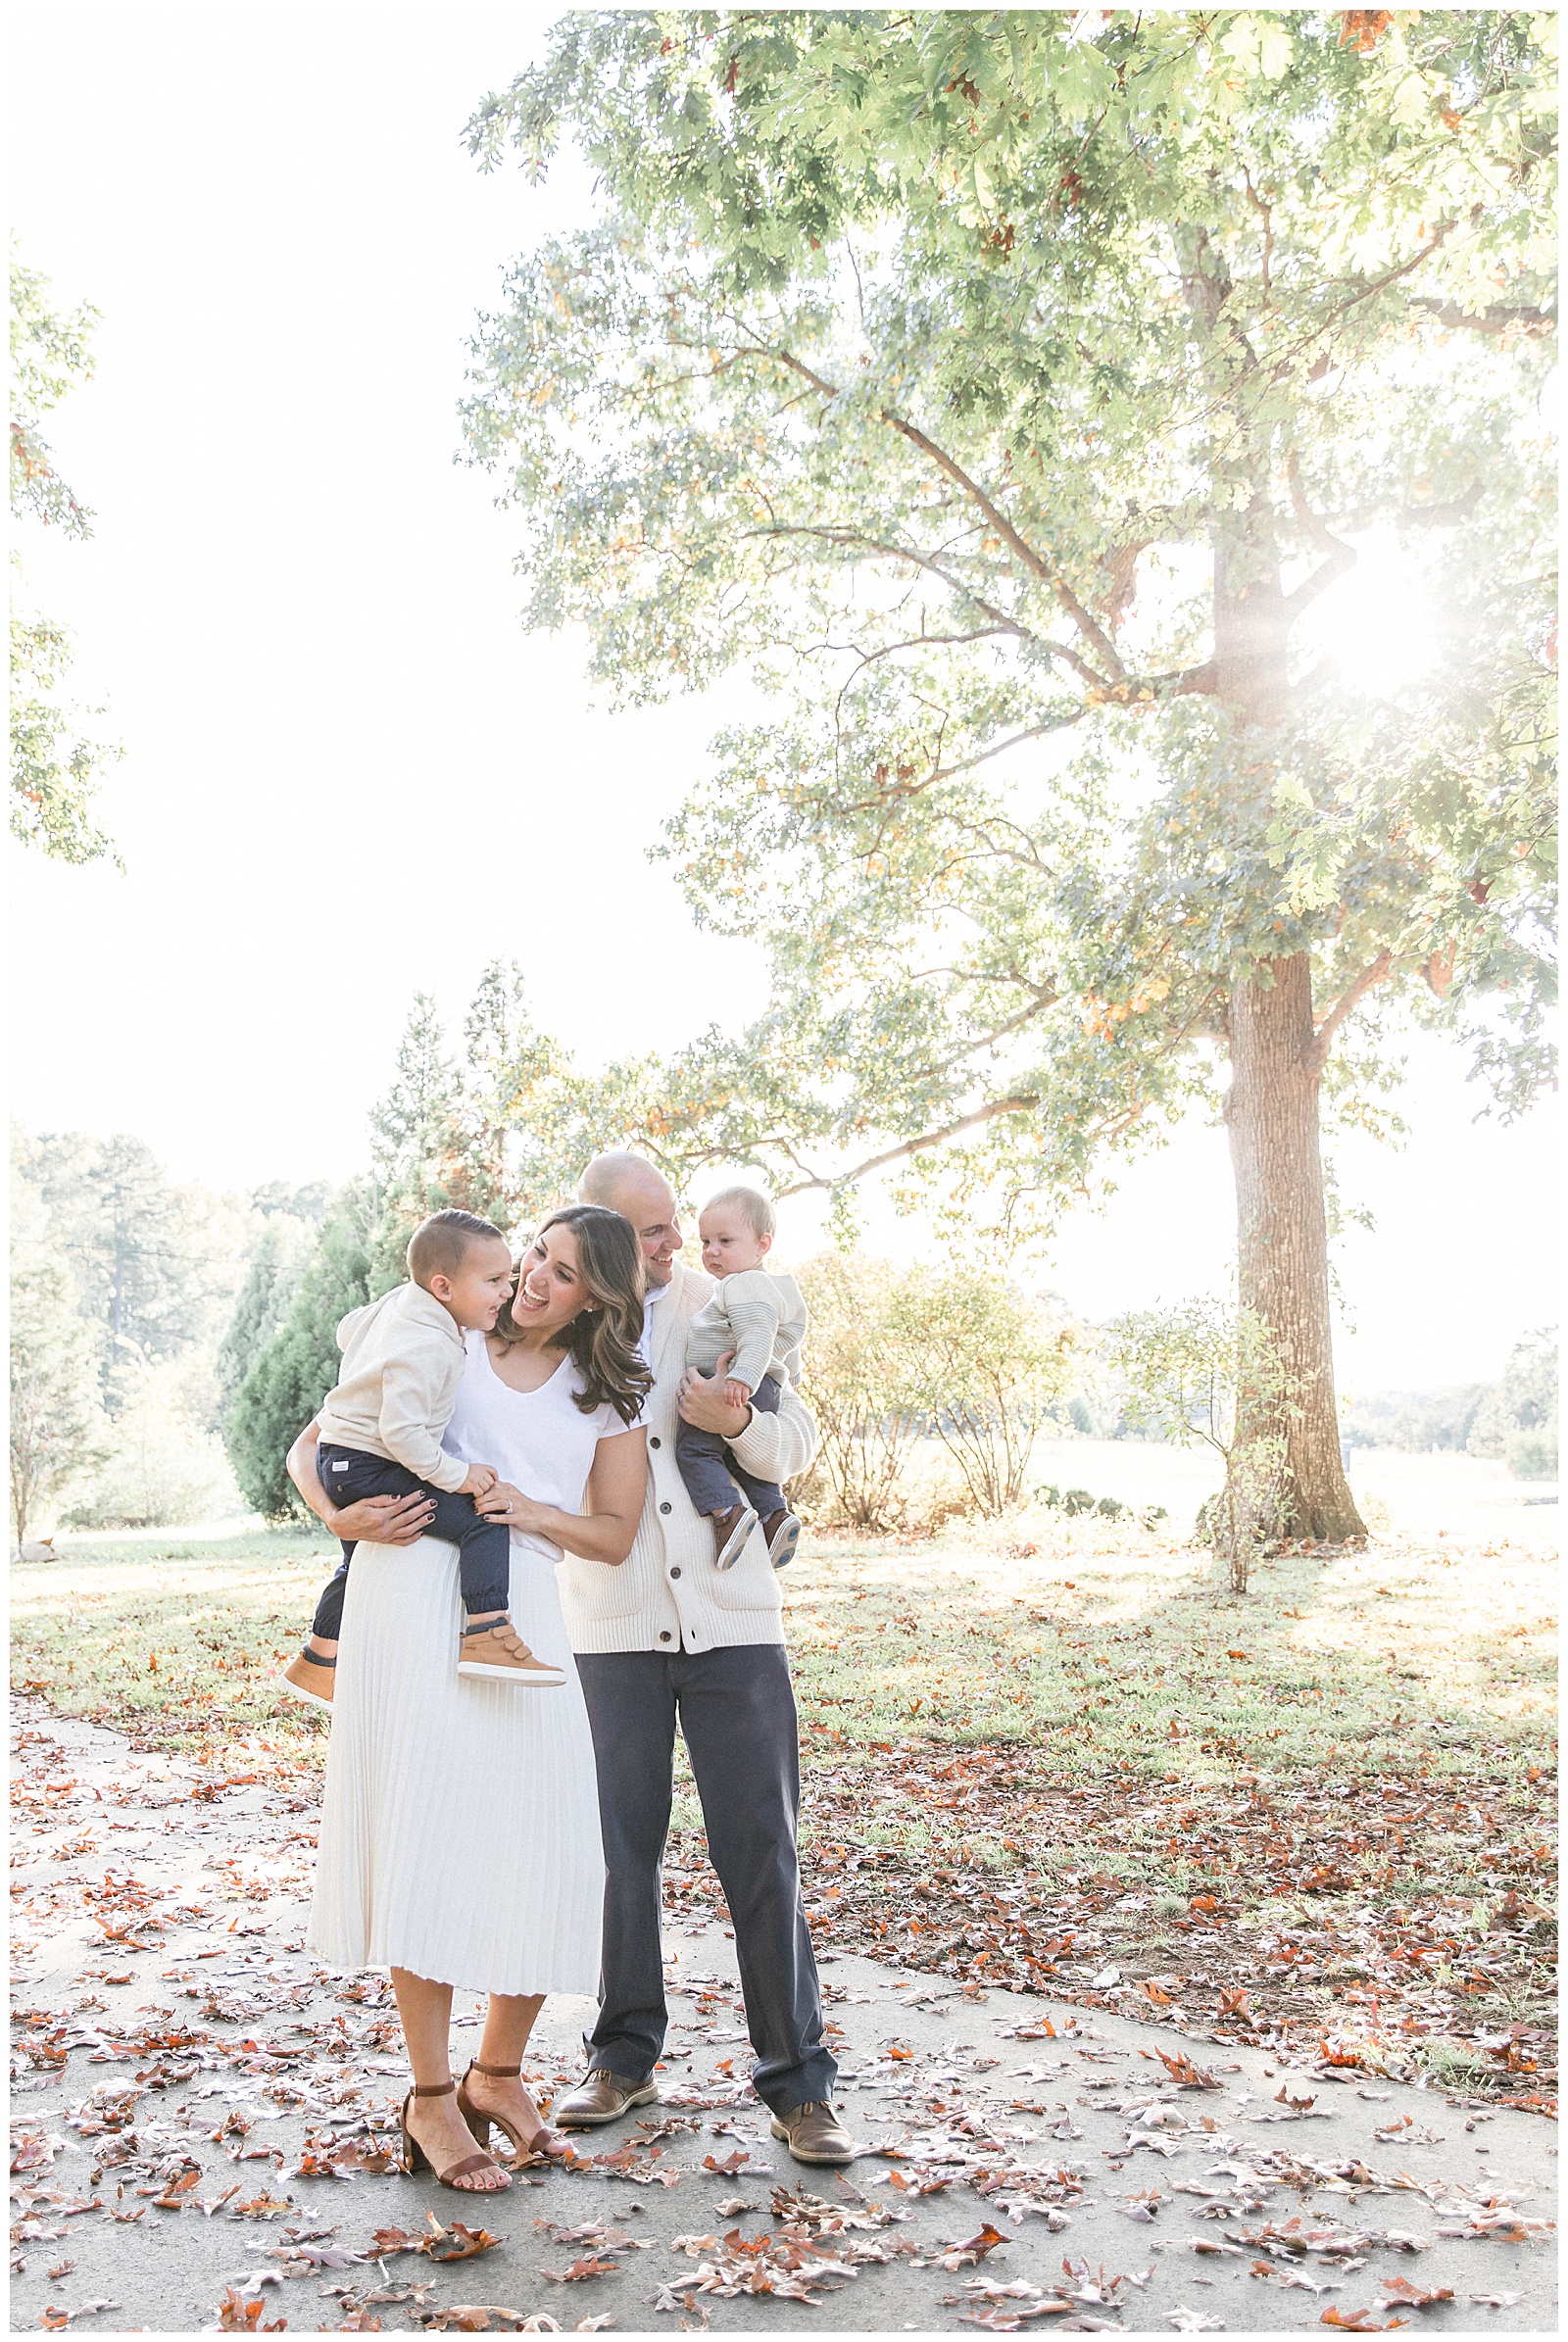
[506,1503]
[613,1503]
[384,1520]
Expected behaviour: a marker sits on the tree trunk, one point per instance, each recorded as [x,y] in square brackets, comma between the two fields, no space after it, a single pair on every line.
[1282,1243]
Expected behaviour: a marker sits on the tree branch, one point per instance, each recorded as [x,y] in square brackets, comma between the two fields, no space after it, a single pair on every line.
[899,1154]
[1035,563]
[1046,995]
[1436,515]
[1340,556]
[1032,561]
[1534,323]
[949,772]
[848,537]
[1315,1056]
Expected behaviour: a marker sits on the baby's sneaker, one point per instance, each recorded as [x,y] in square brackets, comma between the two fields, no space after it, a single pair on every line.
[311,1678]
[730,1533]
[783,1533]
[500,1655]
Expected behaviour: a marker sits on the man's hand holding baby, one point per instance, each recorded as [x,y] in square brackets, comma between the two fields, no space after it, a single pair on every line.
[704,1401]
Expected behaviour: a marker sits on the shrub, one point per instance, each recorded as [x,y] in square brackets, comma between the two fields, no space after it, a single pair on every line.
[984,1366]
[161,1467]
[858,1387]
[898,1357]
[1199,1372]
[1533,1454]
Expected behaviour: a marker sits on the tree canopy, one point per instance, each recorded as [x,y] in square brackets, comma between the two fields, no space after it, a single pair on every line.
[55,768]
[1002,391]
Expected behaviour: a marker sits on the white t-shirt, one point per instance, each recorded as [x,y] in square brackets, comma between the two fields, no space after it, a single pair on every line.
[541,1440]
[652,1298]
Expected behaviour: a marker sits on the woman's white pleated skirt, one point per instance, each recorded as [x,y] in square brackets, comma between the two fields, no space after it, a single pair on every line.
[459,1833]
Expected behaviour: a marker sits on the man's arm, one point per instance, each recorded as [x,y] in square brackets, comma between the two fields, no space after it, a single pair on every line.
[777,1447]
[768,1447]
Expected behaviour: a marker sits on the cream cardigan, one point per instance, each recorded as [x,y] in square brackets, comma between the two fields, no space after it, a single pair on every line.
[666,1595]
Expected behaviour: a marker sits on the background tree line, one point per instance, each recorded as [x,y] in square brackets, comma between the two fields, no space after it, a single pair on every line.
[124,1286]
[168,1341]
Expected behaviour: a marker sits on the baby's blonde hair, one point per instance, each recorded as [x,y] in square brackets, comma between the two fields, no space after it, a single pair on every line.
[753,1206]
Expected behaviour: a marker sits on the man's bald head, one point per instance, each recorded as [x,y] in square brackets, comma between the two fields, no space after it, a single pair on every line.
[626,1182]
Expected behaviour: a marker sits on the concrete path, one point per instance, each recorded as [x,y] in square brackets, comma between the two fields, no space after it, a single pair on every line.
[201,2107]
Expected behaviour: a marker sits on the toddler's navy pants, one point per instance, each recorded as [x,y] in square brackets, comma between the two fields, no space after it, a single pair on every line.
[485,1548]
[710,1472]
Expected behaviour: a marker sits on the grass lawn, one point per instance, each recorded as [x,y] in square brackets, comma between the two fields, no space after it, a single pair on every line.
[1051,1755]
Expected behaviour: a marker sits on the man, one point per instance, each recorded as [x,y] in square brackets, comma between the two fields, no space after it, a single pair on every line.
[664,1637]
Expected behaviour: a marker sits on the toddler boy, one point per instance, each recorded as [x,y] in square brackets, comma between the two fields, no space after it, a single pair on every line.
[761,1318]
[380,1435]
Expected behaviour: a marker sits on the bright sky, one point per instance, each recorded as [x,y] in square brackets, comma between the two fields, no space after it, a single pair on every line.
[302,618]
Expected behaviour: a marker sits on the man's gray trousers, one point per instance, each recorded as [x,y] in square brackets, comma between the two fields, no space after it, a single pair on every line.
[736,1712]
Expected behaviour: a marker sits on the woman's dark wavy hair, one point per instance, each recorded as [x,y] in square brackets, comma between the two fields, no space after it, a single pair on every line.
[601,1340]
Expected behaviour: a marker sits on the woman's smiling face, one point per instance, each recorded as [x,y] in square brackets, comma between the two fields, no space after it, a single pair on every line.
[551,1288]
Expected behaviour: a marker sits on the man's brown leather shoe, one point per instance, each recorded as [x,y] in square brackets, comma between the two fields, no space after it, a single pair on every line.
[813,2133]
[600,2097]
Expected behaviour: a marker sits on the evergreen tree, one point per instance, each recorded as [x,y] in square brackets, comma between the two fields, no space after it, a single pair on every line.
[519,1121]
[412,1134]
[307,1203]
[153,1267]
[277,1263]
[292,1373]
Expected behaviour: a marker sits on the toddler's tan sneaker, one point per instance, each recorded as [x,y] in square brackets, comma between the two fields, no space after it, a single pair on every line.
[311,1678]
[499,1655]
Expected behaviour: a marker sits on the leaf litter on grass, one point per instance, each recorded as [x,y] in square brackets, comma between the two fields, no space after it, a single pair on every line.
[257,2042]
[1303,1885]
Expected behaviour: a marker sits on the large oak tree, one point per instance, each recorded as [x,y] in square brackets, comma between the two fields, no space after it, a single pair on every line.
[1001,392]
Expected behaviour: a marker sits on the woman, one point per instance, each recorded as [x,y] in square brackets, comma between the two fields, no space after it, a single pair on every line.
[460,1836]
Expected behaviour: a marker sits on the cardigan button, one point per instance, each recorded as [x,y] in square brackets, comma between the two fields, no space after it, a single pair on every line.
[664,1509]
[676,1572]
[653,1442]
[663,1635]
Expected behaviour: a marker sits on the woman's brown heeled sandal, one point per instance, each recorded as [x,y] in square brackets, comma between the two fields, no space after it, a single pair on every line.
[480,2123]
[415,2158]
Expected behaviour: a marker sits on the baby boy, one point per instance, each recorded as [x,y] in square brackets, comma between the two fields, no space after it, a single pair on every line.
[761,1318]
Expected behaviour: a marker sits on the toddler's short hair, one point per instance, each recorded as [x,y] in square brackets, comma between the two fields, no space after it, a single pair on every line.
[753,1206]
[440,1245]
